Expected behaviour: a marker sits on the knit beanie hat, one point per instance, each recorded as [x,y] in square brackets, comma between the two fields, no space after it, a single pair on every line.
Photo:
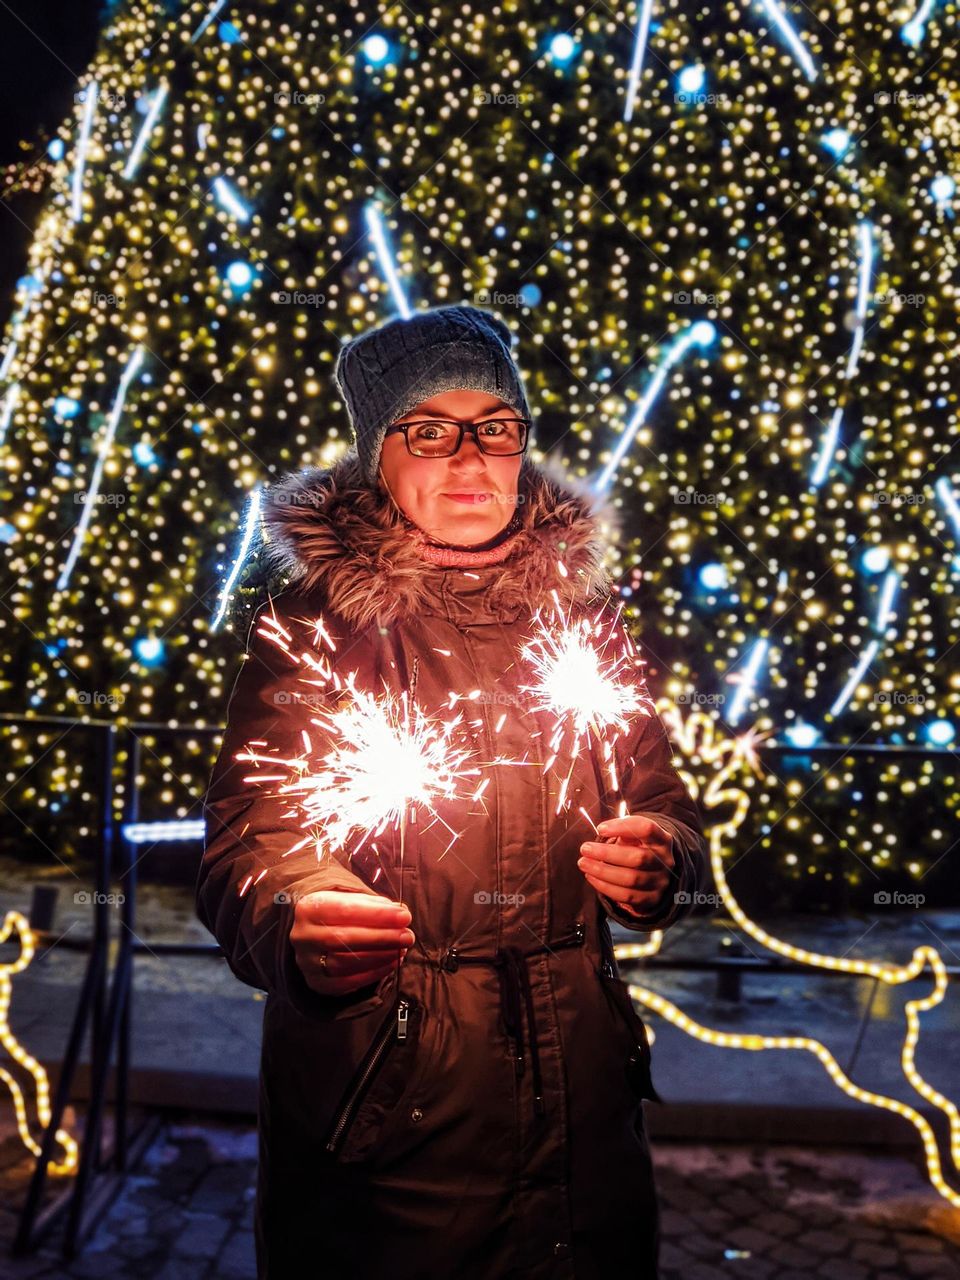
[385,372]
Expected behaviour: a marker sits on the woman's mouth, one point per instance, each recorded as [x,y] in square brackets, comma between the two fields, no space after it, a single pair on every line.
[467,495]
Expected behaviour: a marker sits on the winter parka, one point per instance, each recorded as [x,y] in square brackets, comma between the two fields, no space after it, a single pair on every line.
[480,1119]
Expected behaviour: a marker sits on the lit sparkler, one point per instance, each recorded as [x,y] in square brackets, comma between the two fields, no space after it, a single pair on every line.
[367,761]
[581,672]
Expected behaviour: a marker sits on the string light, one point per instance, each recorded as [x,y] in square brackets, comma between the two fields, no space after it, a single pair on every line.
[721,760]
[16,925]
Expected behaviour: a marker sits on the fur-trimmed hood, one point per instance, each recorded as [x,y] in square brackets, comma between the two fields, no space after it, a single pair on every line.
[327,530]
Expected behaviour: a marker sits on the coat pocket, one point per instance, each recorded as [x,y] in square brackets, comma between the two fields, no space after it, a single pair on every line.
[637,1063]
[384,1075]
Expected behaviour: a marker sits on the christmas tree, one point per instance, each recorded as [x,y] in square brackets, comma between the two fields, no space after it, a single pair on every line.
[724,236]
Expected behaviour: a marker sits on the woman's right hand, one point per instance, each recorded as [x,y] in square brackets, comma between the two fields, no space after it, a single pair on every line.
[362,935]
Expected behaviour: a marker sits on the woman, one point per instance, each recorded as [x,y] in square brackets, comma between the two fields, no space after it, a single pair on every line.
[451,1082]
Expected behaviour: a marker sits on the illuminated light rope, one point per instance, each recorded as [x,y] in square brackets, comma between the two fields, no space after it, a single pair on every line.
[773,9]
[83,142]
[846,693]
[639,49]
[6,412]
[887,594]
[249,525]
[214,10]
[699,334]
[915,28]
[793,41]
[173,829]
[748,680]
[132,368]
[696,737]
[229,199]
[379,237]
[146,129]
[945,493]
[28,945]
[829,445]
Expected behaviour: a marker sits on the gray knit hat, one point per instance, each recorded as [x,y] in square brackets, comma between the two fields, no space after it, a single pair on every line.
[385,372]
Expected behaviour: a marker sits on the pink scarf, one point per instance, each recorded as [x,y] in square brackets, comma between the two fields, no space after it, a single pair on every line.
[457,558]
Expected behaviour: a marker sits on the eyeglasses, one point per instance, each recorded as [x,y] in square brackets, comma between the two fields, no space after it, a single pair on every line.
[437,438]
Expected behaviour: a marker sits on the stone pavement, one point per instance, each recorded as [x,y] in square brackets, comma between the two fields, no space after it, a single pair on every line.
[729,1213]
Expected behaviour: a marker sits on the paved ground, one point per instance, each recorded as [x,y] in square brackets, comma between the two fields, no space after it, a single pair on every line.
[748,1213]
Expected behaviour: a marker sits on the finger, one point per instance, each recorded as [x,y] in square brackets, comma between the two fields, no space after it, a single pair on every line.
[642,901]
[356,938]
[636,824]
[332,906]
[350,962]
[626,877]
[355,981]
[629,855]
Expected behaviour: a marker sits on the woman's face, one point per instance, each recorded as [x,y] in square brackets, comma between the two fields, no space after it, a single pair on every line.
[466,499]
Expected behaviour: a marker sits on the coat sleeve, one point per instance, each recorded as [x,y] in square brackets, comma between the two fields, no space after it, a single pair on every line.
[247,889]
[651,786]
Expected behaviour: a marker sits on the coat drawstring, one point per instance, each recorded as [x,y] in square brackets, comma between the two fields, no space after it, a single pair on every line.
[516,997]
[514,984]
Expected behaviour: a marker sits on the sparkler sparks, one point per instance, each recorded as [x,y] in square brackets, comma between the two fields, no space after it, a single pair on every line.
[366,760]
[581,677]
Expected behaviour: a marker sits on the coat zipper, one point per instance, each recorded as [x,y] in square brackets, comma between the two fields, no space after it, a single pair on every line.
[391,1028]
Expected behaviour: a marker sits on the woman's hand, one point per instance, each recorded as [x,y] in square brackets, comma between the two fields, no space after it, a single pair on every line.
[632,865]
[361,934]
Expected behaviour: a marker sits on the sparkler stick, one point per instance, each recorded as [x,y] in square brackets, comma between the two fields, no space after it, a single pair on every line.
[408,698]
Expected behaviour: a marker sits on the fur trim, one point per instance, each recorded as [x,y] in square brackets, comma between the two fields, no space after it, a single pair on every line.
[326,529]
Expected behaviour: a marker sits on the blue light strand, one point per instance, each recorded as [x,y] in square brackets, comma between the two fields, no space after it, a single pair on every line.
[747,681]
[230,201]
[639,49]
[829,445]
[944,492]
[6,413]
[915,28]
[378,236]
[845,694]
[158,98]
[249,525]
[700,334]
[132,368]
[83,142]
[793,41]
[211,15]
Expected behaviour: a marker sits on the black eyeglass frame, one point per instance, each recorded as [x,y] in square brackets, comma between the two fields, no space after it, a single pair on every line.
[461,428]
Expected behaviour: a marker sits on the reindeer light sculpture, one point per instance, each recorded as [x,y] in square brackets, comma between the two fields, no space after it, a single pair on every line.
[696,735]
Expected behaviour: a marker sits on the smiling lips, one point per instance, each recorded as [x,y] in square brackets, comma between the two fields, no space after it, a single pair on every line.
[468,496]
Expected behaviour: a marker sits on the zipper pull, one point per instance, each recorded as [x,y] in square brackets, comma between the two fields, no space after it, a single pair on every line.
[402,1014]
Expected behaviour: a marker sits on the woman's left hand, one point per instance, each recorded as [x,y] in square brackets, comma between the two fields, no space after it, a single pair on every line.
[632,863]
